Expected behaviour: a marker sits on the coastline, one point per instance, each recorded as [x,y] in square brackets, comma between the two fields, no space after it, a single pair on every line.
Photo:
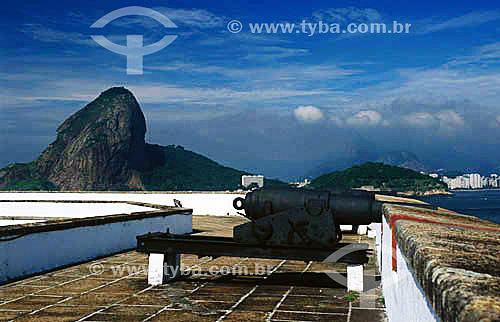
[436,192]
[476,190]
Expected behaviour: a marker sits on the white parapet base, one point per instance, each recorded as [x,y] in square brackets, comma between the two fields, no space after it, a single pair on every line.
[362,229]
[155,269]
[372,230]
[42,251]
[404,298]
[355,278]
[163,268]
[67,210]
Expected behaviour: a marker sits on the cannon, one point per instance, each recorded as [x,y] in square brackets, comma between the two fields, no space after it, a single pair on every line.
[301,217]
[287,224]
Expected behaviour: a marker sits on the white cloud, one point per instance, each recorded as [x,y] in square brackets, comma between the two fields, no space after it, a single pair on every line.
[290,75]
[171,93]
[436,86]
[366,118]
[446,120]
[450,120]
[275,52]
[200,18]
[308,114]
[348,15]
[468,20]
[482,56]
[45,34]
[420,119]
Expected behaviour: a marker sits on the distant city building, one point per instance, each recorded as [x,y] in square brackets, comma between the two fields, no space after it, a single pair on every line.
[246,181]
[368,188]
[300,184]
[473,181]
[434,175]
[493,180]
[303,183]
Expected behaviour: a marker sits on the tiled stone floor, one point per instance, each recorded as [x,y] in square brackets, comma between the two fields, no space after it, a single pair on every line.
[115,289]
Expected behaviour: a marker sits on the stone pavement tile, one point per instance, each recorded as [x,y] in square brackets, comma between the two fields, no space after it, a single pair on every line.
[16,282]
[197,296]
[72,272]
[157,299]
[246,316]
[80,286]
[368,302]
[47,281]
[185,316]
[258,303]
[97,299]
[214,290]
[124,286]
[212,305]
[31,303]
[315,304]
[184,285]
[316,291]
[113,260]
[296,316]
[125,313]
[17,291]
[271,290]
[363,315]
[59,313]
[85,270]
[322,267]
[9,315]
[59,291]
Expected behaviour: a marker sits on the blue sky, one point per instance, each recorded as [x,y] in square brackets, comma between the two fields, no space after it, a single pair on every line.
[278,104]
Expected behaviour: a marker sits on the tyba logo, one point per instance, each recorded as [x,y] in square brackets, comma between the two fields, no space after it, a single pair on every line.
[135,50]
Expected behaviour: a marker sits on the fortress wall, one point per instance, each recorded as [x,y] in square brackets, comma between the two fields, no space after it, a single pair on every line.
[34,248]
[444,266]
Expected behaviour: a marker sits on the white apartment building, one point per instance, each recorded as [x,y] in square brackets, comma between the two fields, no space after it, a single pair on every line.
[248,180]
[472,181]
[475,181]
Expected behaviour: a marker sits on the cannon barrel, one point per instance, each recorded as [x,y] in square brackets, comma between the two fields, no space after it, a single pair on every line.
[347,207]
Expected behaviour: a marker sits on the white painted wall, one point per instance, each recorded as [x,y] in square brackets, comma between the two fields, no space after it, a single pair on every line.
[17,222]
[70,210]
[203,203]
[377,229]
[404,298]
[362,229]
[40,252]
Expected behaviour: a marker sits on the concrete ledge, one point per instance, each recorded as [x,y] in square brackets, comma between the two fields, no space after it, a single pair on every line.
[34,248]
[447,266]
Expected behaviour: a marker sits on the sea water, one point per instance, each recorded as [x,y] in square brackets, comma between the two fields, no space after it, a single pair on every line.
[484,204]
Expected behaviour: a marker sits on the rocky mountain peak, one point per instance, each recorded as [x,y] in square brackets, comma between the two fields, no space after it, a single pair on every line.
[99,146]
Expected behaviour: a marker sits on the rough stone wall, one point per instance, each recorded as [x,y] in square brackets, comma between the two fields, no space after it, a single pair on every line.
[456,263]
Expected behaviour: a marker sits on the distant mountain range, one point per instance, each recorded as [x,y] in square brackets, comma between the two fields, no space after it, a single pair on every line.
[357,156]
[102,147]
[403,159]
